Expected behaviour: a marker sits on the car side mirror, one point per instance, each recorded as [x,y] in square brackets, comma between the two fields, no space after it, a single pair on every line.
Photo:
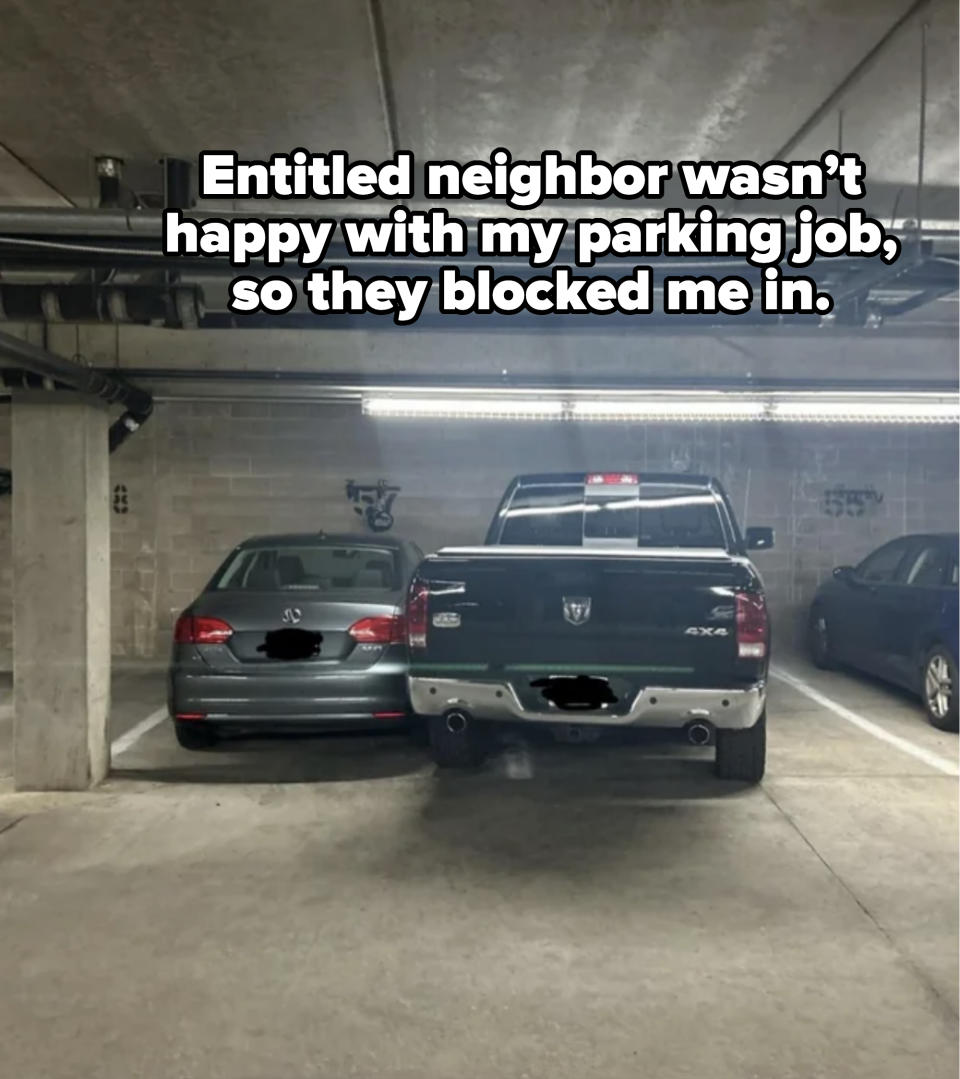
[844,573]
[759,539]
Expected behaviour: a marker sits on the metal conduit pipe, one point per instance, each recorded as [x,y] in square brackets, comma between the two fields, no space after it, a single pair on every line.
[49,223]
[103,222]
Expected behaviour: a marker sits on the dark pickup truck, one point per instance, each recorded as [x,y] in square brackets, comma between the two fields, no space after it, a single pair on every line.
[607,600]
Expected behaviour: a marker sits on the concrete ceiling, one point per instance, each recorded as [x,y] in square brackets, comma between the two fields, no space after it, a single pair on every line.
[664,78]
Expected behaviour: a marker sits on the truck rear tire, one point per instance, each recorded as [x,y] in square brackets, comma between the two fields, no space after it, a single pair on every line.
[417,732]
[453,748]
[742,755]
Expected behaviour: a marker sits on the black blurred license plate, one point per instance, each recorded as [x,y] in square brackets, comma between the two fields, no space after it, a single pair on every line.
[291,644]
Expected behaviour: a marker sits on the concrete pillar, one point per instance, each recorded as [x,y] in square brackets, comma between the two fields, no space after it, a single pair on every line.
[61,591]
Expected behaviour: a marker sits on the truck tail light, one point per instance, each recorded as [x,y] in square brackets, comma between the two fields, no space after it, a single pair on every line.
[753,627]
[200,629]
[417,600]
[380,629]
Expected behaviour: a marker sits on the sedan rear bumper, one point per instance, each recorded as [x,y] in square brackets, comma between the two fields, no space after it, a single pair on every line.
[358,698]
[653,706]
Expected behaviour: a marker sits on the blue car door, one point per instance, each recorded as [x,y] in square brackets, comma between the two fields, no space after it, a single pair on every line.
[865,597]
[909,610]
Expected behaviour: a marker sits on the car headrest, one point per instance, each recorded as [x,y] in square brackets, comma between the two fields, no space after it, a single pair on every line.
[370,578]
[289,568]
[262,579]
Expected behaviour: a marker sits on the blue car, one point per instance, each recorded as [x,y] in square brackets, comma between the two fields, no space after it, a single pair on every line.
[895,615]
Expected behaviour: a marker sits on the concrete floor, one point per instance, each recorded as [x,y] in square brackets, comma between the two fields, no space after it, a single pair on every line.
[334,908]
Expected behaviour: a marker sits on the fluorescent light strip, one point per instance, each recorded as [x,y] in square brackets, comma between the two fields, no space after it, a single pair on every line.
[904,411]
[466,407]
[691,409]
[676,407]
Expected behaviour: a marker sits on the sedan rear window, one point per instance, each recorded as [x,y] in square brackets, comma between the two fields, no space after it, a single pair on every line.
[308,568]
[656,515]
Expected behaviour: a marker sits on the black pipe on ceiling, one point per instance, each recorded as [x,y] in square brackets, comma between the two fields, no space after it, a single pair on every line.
[109,387]
[178,183]
[172,305]
[344,385]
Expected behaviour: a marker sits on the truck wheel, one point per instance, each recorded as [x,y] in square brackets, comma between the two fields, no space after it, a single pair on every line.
[820,637]
[194,735]
[742,755]
[453,741]
[940,689]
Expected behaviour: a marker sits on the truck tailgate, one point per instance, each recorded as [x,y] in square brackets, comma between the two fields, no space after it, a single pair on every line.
[642,617]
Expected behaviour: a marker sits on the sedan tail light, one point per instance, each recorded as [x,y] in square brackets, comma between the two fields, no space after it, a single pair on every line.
[753,626]
[200,629]
[380,629]
[417,600]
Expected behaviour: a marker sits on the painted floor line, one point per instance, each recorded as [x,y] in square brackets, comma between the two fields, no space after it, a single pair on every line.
[132,736]
[942,764]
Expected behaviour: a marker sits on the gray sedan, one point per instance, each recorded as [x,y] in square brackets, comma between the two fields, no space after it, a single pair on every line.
[295,632]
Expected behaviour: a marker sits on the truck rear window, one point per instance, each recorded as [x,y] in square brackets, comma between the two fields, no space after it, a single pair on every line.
[652,515]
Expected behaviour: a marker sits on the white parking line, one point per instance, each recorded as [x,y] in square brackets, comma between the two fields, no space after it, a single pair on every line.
[942,764]
[125,741]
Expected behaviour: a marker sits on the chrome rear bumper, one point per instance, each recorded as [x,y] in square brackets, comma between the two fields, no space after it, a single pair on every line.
[653,706]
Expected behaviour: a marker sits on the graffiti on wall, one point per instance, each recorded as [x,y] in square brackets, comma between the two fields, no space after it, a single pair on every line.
[374,503]
[681,460]
[843,501]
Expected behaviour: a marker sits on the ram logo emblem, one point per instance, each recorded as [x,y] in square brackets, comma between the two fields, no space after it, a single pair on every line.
[576,609]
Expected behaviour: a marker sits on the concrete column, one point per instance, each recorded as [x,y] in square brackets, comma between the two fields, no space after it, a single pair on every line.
[61,591]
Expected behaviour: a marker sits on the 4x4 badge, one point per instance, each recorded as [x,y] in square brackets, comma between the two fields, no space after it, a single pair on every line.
[576,609]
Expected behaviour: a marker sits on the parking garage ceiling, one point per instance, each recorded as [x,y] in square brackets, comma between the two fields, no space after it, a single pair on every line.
[674,79]
[663,79]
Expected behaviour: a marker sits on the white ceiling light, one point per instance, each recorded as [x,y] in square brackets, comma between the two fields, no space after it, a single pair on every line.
[467,406]
[719,407]
[908,409]
[671,406]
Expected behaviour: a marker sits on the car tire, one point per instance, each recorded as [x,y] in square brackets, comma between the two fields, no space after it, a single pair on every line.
[938,689]
[195,735]
[742,755]
[820,641]
[453,748]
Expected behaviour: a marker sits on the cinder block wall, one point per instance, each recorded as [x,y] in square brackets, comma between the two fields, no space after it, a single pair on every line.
[200,477]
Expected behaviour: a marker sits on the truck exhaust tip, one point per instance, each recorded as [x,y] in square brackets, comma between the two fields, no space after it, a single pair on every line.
[699,734]
[456,721]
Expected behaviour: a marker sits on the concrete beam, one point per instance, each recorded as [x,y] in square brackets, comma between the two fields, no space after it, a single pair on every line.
[61,591]
[21,185]
[761,355]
